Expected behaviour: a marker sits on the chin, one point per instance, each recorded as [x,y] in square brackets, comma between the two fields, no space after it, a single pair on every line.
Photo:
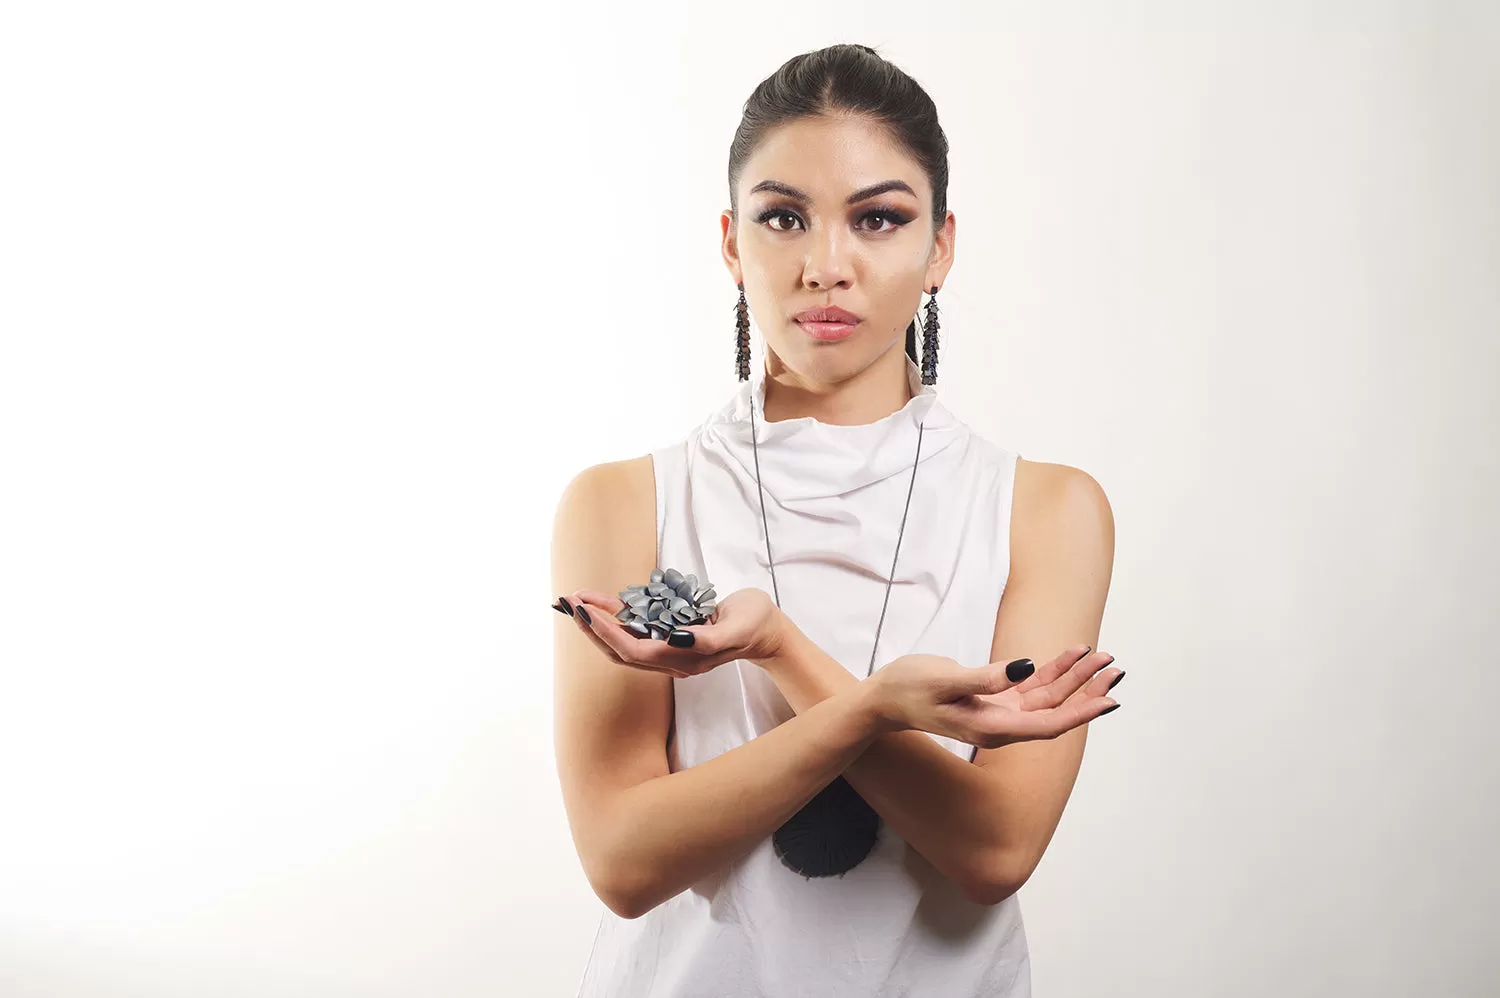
[822,364]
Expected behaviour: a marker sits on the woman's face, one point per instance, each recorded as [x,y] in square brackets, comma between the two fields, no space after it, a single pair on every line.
[833,213]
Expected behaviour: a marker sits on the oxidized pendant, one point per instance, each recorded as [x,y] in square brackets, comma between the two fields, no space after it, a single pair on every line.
[831,835]
[668,601]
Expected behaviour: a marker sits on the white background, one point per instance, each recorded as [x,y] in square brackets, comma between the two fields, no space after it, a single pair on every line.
[310,310]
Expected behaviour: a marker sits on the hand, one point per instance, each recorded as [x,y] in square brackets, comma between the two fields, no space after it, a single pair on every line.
[983,707]
[743,625]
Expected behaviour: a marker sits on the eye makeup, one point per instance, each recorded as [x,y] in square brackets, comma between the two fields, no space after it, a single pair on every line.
[894,215]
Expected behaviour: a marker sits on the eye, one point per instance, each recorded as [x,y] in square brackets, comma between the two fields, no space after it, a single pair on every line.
[771,213]
[896,218]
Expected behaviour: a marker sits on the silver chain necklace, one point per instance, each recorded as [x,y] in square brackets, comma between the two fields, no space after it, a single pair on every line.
[836,830]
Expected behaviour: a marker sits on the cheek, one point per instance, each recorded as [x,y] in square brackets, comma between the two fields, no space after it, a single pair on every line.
[902,258]
[766,263]
[893,287]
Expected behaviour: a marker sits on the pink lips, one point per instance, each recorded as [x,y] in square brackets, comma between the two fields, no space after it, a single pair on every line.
[827,322]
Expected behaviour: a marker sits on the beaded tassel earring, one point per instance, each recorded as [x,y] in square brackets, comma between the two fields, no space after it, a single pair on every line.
[742,337]
[930,340]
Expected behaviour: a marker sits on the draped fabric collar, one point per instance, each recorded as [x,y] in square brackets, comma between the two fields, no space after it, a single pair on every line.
[803,458]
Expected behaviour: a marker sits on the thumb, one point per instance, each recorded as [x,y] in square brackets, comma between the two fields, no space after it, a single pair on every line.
[997,677]
[708,639]
[964,681]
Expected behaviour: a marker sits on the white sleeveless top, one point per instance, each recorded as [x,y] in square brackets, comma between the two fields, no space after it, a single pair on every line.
[893,925]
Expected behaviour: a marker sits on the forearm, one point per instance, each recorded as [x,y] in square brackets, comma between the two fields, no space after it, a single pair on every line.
[945,808]
[673,830]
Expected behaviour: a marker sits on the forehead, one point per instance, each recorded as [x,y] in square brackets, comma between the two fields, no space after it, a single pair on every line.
[830,156]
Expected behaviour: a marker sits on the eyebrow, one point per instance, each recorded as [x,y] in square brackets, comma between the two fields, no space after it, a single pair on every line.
[864,193]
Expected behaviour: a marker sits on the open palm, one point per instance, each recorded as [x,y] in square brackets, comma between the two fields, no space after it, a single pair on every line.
[740,627]
[981,706]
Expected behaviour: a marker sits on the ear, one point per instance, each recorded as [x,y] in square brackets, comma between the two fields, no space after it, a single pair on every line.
[941,259]
[730,246]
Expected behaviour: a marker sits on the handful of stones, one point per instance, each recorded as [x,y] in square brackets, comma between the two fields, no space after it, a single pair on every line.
[670,600]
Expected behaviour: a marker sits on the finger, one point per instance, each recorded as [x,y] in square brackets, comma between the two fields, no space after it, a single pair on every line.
[987,679]
[708,650]
[708,640]
[661,653]
[607,602]
[1005,727]
[589,632]
[1100,684]
[628,658]
[627,649]
[1054,669]
[602,626]
[1064,686]
[611,638]
[992,678]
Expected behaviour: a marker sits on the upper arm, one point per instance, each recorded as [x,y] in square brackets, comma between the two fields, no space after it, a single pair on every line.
[611,721]
[1062,555]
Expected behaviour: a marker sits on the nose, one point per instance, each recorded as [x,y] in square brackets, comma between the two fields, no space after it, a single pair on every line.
[829,262]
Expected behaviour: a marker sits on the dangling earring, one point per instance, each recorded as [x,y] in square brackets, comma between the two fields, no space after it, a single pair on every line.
[742,337]
[930,340]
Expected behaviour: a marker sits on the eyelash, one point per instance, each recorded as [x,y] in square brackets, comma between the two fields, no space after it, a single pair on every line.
[897,218]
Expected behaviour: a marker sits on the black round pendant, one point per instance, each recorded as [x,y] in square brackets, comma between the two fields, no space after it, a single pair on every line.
[832,833]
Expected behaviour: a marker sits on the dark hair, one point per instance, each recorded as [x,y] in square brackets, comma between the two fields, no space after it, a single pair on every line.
[851,79]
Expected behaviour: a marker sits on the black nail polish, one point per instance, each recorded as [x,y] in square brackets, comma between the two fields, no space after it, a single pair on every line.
[1019,669]
[1113,706]
[680,639]
[584,614]
[1087,652]
[1112,685]
[567,607]
[559,609]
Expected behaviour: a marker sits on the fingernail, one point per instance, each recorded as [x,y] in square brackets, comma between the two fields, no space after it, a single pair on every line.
[1112,685]
[584,614]
[1087,651]
[1113,706]
[567,607]
[1019,669]
[559,609]
[680,639]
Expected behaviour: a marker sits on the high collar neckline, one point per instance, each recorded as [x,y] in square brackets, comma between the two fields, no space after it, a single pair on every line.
[804,458]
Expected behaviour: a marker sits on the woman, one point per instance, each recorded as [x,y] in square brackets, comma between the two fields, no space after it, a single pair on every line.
[762,809]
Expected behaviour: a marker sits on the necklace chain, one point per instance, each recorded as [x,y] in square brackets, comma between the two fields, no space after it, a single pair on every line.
[766,530]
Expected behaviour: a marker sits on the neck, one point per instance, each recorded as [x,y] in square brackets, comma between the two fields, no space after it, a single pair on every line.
[865,397]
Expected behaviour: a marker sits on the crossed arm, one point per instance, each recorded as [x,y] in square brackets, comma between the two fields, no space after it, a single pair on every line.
[652,834]
[986,824]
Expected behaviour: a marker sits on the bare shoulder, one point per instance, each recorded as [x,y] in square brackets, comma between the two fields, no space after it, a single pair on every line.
[604,529]
[1057,504]
[614,488]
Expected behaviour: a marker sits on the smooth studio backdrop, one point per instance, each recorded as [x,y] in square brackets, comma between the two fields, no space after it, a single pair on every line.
[309,311]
